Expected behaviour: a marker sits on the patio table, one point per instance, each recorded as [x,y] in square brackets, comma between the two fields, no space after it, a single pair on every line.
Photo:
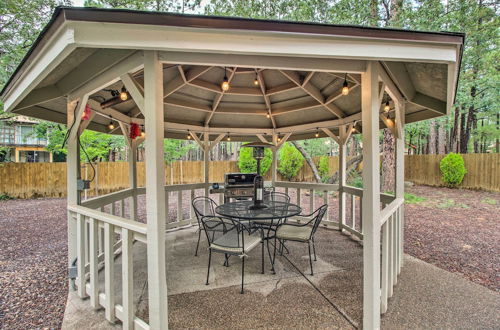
[272,215]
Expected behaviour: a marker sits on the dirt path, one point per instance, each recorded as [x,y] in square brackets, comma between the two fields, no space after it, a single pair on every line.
[457,230]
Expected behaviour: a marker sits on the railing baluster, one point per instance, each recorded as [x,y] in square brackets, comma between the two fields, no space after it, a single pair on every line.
[109,272]
[298,197]
[191,210]
[311,200]
[167,206]
[122,208]
[394,249]
[353,211]
[179,205]
[93,260]
[80,249]
[221,199]
[286,190]
[127,280]
[113,208]
[385,268]
[389,257]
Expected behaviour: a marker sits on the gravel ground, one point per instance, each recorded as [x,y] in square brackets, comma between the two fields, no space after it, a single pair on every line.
[457,230]
[33,258]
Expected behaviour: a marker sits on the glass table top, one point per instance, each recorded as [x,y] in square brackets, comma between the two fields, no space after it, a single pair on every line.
[274,210]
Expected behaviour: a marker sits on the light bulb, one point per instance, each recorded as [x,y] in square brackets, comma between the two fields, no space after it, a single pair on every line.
[143,134]
[256,82]
[387,106]
[229,138]
[111,125]
[279,139]
[317,134]
[123,94]
[268,115]
[353,130]
[189,137]
[345,88]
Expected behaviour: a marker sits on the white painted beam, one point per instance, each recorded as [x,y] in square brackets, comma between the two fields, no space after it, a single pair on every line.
[155,191]
[371,197]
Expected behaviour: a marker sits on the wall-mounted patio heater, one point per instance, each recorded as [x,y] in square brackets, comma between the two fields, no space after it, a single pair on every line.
[258,192]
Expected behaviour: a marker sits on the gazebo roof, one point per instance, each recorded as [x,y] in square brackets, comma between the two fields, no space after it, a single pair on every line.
[300,68]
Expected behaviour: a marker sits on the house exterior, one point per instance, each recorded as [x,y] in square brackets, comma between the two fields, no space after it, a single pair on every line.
[23,146]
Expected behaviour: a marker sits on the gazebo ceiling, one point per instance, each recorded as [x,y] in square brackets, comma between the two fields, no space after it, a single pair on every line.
[286,100]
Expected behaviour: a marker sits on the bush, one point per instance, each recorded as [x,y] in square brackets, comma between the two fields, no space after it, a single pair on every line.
[291,161]
[323,168]
[248,164]
[453,169]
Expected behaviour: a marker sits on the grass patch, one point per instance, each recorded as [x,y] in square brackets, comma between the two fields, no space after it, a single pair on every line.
[449,203]
[413,199]
[489,201]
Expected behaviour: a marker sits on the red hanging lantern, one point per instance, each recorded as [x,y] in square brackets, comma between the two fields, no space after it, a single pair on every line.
[135,130]
[86,112]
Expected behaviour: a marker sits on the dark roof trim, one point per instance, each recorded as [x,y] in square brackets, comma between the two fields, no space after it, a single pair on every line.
[216,22]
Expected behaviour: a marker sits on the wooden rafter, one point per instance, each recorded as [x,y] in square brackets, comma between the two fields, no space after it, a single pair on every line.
[218,98]
[313,91]
[262,85]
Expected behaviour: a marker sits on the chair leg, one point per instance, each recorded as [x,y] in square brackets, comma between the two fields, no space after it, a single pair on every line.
[314,249]
[198,244]
[242,272]
[226,260]
[310,259]
[274,255]
[209,259]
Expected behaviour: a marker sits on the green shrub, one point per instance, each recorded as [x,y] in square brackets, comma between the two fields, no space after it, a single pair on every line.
[452,169]
[323,168]
[5,197]
[248,164]
[291,161]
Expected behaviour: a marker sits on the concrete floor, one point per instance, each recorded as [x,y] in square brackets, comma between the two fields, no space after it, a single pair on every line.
[425,296]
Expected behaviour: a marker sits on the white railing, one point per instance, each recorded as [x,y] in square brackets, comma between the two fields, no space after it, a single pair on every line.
[96,233]
[391,219]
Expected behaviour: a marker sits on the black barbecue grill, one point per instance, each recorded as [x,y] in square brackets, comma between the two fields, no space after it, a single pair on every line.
[238,185]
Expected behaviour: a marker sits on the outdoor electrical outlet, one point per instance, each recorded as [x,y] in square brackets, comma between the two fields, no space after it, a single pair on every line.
[83,185]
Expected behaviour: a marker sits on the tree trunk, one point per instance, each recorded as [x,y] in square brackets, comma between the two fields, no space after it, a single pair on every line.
[309,161]
[388,161]
[441,140]
[351,163]
[432,138]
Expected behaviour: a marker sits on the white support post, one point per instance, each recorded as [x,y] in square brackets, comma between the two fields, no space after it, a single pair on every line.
[371,198]
[342,175]
[127,280]
[73,169]
[132,174]
[206,161]
[155,191]
[109,272]
[400,177]
[274,164]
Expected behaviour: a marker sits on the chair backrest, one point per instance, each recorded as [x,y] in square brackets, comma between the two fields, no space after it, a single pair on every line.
[275,196]
[203,206]
[216,227]
[318,216]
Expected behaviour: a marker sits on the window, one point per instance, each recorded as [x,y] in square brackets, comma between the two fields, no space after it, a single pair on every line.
[6,134]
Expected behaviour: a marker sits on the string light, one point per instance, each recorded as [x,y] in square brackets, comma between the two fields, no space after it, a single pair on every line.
[228,137]
[123,94]
[189,136]
[111,126]
[279,138]
[345,86]
[268,115]
[256,80]
[387,106]
[317,133]
[225,82]
[143,133]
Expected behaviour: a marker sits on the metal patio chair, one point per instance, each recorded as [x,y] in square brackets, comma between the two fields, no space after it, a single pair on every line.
[205,206]
[303,233]
[237,240]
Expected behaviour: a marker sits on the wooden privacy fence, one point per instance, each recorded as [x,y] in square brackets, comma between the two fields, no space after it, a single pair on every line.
[28,180]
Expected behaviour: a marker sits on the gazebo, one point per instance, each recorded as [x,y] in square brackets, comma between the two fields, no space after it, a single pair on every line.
[288,81]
